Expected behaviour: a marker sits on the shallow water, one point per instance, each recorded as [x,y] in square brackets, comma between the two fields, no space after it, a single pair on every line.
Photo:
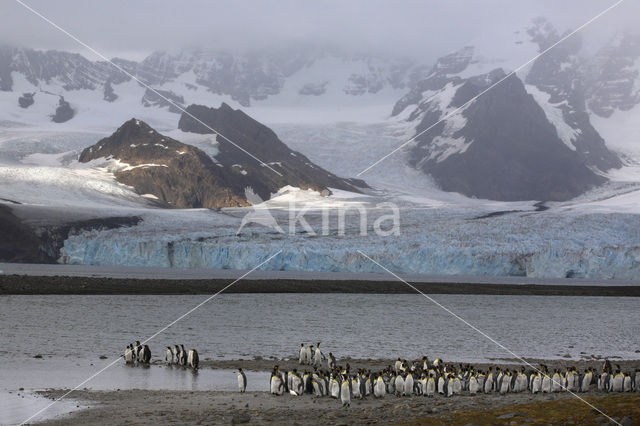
[16,407]
[72,332]
[273,325]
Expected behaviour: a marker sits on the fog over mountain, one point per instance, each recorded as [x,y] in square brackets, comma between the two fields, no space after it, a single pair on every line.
[422,30]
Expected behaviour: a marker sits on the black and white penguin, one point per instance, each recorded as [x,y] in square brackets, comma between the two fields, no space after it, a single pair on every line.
[557,382]
[334,388]
[318,356]
[128,354]
[431,386]
[603,381]
[397,366]
[488,383]
[297,386]
[137,349]
[586,381]
[331,361]
[449,385]
[627,384]
[617,382]
[183,355]
[145,355]
[317,386]
[570,379]
[309,354]
[399,385]
[276,386]
[546,383]
[457,385]
[302,355]
[193,360]
[242,381]
[536,383]
[345,392]
[442,384]
[408,385]
[355,387]
[176,354]
[379,388]
[169,356]
[474,386]
[425,363]
[505,383]
[307,383]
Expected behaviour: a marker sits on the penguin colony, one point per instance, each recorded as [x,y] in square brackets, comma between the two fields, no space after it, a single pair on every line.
[136,354]
[427,378]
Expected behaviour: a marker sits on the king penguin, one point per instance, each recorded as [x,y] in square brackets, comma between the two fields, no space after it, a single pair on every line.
[169,356]
[536,383]
[242,380]
[617,383]
[473,385]
[276,386]
[193,360]
[345,393]
[379,388]
[627,384]
[145,355]
[431,386]
[128,354]
[399,385]
[408,385]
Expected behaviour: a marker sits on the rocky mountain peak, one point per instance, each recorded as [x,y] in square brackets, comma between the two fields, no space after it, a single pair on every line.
[242,131]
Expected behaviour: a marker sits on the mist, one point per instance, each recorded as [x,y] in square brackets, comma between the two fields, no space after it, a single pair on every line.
[416,29]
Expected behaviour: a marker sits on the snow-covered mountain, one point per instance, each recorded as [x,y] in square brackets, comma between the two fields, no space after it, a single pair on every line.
[324,80]
[528,137]
[613,93]
[588,99]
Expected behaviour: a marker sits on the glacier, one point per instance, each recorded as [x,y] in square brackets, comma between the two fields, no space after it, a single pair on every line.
[531,244]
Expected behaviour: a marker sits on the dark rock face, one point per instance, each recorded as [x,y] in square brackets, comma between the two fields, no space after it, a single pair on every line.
[313,89]
[108,94]
[181,175]
[295,169]
[18,243]
[512,152]
[26,100]
[63,113]
[159,99]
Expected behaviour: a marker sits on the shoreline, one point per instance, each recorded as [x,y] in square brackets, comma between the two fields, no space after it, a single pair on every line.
[80,285]
[165,406]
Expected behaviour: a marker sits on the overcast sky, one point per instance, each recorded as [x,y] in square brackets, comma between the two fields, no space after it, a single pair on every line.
[421,29]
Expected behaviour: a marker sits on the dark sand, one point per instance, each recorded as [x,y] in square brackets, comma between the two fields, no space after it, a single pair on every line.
[28,284]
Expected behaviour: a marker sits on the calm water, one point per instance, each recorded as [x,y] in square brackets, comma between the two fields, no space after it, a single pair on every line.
[72,332]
